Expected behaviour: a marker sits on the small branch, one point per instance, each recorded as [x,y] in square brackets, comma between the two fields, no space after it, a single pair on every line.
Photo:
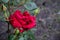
[8,26]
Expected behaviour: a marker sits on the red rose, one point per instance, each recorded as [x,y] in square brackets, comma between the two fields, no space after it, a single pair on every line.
[21,21]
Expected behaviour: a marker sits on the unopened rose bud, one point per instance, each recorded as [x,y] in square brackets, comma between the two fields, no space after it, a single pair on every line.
[4,7]
[17,31]
[36,11]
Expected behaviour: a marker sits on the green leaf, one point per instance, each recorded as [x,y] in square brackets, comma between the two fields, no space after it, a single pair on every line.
[27,1]
[30,6]
[21,38]
[5,1]
[33,29]
[20,2]
[4,8]
[8,14]
[2,18]
[10,37]
[31,35]
[25,32]
[26,37]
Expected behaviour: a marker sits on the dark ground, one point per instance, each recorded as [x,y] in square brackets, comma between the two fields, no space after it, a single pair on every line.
[49,28]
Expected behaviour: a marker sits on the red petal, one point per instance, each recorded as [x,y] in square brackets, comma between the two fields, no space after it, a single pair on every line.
[29,26]
[17,12]
[26,13]
[14,22]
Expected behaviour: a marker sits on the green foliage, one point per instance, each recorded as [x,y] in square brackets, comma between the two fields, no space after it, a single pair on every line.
[31,35]
[2,18]
[27,35]
[21,38]
[5,1]
[33,30]
[16,2]
[30,6]
[10,37]
[24,36]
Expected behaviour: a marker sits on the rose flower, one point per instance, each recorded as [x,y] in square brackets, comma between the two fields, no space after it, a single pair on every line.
[22,21]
